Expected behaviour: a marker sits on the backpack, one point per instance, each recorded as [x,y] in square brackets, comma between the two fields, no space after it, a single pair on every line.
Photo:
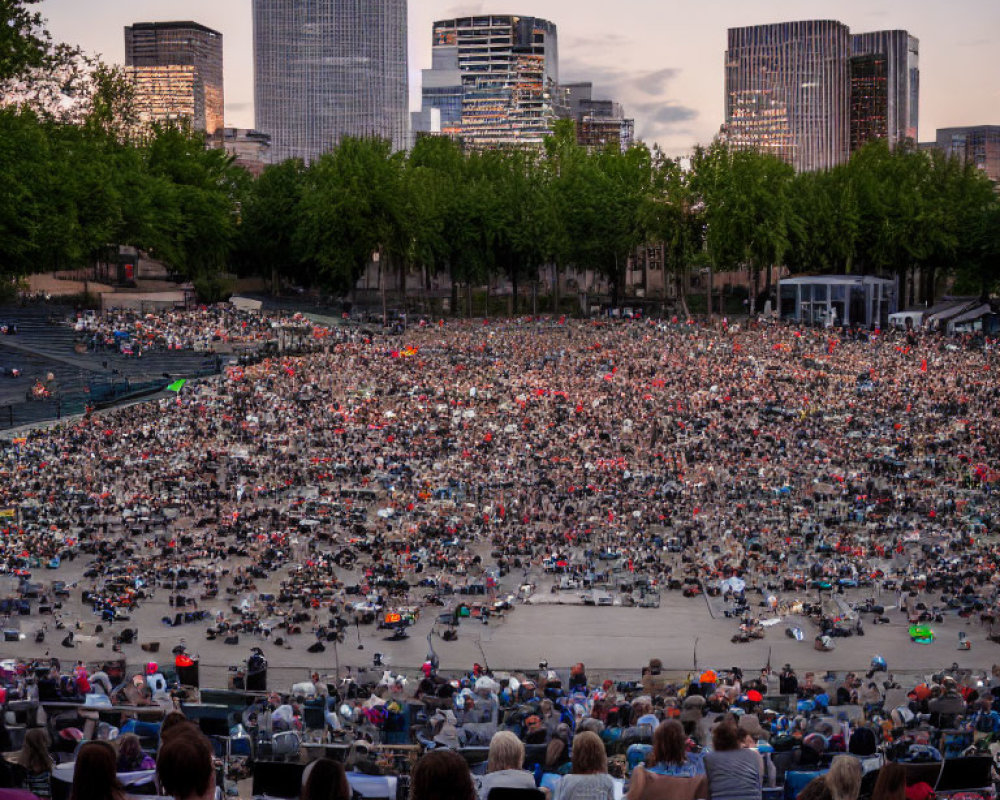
[783,743]
[984,722]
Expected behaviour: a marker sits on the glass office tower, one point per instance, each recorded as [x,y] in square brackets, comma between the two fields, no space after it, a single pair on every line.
[885,87]
[177,69]
[328,69]
[788,91]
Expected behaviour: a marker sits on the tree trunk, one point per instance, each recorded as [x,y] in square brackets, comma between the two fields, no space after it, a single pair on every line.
[929,294]
[710,293]
[468,299]
[513,292]
[614,288]
[555,288]
[454,298]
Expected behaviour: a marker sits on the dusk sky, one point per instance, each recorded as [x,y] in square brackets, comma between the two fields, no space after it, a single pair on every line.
[662,59]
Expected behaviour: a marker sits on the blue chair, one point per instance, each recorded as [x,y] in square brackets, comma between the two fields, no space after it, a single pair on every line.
[796,780]
[636,754]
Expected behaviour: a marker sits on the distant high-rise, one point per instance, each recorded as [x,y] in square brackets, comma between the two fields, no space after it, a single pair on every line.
[811,93]
[599,123]
[177,70]
[788,91]
[885,87]
[494,79]
[974,144]
[327,69]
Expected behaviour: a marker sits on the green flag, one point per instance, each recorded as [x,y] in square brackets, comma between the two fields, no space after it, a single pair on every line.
[176,385]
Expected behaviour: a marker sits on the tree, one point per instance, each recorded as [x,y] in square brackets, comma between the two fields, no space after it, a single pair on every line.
[674,219]
[196,193]
[24,43]
[270,213]
[350,210]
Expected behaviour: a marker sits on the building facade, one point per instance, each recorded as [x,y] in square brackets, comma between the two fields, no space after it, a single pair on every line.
[329,69]
[177,70]
[493,79]
[834,300]
[787,91]
[250,148]
[974,144]
[599,123]
[811,93]
[885,87]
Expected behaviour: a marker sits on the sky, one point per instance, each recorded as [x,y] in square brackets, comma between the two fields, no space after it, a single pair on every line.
[663,59]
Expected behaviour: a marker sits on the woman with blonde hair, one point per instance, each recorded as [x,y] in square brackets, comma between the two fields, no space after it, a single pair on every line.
[504,766]
[844,778]
[841,782]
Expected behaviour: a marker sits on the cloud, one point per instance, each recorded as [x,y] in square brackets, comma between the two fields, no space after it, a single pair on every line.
[618,82]
[464,10]
[644,93]
[591,42]
[666,113]
[655,83]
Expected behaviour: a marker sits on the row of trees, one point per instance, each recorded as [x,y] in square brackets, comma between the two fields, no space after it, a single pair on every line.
[78,182]
[513,213]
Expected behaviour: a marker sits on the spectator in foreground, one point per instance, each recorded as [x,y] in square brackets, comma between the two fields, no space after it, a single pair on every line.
[504,765]
[184,765]
[589,779]
[95,775]
[131,757]
[734,773]
[891,783]
[325,779]
[844,778]
[36,763]
[442,775]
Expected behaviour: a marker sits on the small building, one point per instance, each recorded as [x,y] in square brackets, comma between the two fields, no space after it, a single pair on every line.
[834,300]
[980,319]
[931,316]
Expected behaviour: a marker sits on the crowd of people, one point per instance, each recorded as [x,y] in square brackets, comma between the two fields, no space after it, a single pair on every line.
[717,735]
[381,473]
[206,329]
[464,452]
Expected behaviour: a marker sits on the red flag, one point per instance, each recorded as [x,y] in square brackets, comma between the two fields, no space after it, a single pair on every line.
[923,365]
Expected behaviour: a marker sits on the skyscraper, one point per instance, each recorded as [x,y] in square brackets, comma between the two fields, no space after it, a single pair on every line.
[494,79]
[327,69]
[885,87]
[177,69]
[788,91]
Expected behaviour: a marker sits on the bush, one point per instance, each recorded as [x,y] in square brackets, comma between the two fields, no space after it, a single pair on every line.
[215,288]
